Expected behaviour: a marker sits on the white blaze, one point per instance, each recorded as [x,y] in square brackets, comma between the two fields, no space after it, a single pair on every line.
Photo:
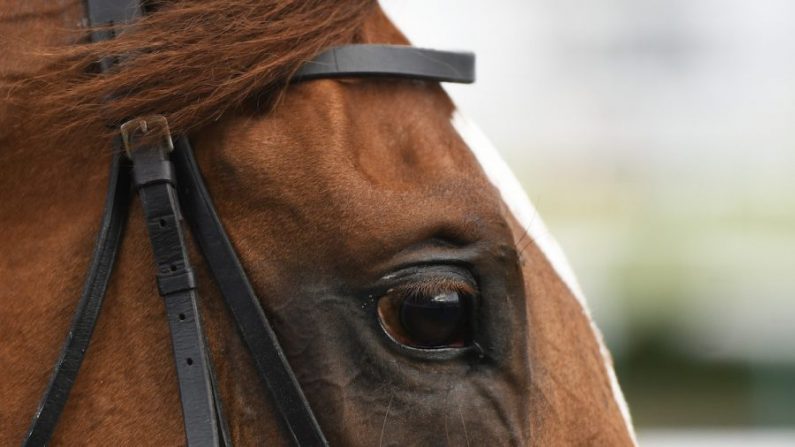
[523,210]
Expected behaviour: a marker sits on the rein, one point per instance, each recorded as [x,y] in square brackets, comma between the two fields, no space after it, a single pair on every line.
[171,189]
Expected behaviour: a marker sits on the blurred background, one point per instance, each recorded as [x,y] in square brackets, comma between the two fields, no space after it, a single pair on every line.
[655,137]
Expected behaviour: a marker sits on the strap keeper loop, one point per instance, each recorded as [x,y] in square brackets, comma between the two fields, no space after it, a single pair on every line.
[169,283]
[151,173]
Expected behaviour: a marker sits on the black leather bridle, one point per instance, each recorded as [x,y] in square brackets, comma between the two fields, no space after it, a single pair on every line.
[171,189]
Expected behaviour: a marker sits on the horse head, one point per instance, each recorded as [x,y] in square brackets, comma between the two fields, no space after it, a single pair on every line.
[416,295]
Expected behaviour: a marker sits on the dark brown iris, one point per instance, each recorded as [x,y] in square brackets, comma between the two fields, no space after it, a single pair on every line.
[433,321]
[430,315]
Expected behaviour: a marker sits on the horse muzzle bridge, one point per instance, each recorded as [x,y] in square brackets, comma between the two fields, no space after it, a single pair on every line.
[171,189]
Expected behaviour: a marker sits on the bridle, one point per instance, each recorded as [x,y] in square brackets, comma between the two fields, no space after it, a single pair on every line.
[169,184]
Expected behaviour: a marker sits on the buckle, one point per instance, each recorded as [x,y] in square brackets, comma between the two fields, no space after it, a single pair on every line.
[145,131]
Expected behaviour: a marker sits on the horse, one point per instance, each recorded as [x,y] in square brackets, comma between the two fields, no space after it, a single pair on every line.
[351,203]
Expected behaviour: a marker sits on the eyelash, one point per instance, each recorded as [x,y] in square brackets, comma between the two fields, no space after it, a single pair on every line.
[434,286]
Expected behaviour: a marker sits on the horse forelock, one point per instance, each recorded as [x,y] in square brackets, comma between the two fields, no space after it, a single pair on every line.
[191,61]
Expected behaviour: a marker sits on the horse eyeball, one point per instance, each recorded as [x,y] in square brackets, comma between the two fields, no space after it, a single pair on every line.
[433,320]
[429,321]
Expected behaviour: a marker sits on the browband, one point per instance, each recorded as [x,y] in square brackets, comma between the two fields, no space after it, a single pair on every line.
[394,61]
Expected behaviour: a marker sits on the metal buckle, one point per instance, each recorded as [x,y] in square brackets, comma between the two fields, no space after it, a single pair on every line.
[145,127]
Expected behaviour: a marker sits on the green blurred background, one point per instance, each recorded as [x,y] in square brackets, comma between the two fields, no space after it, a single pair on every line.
[656,138]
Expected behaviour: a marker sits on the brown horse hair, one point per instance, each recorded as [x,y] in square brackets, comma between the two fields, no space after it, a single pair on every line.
[191,61]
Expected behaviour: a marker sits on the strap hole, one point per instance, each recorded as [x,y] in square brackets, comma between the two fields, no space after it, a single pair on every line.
[189,361]
[173,268]
[163,223]
[181,317]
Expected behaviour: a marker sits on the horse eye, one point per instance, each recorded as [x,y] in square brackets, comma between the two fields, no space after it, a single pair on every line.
[428,319]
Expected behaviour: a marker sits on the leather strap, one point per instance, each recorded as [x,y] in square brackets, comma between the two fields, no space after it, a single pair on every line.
[148,142]
[223,426]
[114,216]
[112,12]
[66,368]
[104,14]
[394,61]
[271,363]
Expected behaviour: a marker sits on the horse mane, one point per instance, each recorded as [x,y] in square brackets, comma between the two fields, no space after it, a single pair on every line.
[189,60]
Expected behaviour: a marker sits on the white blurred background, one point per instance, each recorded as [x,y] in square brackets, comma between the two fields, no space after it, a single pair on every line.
[656,138]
